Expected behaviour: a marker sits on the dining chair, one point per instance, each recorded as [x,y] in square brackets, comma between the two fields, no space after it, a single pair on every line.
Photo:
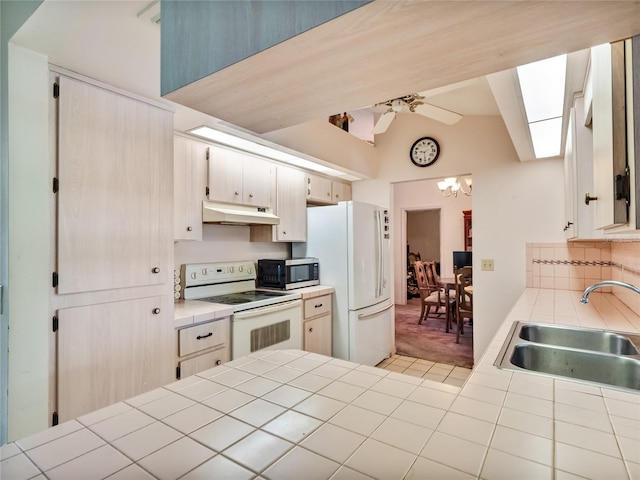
[431,294]
[464,298]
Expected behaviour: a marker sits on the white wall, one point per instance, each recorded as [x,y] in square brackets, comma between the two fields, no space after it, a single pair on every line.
[423,233]
[513,202]
[30,224]
[225,243]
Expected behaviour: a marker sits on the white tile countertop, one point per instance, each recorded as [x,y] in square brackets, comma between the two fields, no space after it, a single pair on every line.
[292,414]
[189,312]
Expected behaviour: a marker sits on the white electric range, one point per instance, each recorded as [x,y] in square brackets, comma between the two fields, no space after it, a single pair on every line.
[262,319]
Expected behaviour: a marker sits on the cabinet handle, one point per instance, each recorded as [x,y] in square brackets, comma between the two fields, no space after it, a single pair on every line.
[310,329]
[284,232]
[156,311]
[218,362]
[318,305]
[236,193]
[251,195]
[588,198]
[189,229]
[155,270]
[200,337]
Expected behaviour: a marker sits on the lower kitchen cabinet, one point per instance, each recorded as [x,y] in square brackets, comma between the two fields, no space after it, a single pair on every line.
[203,346]
[112,351]
[317,325]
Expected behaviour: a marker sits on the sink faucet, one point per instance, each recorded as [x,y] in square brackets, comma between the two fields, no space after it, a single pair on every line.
[607,283]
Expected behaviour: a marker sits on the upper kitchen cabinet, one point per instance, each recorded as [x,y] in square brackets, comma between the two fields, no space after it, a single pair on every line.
[324,191]
[114,188]
[318,190]
[613,73]
[291,208]
[190,183]
[238,177]
[578,165]
[341,191]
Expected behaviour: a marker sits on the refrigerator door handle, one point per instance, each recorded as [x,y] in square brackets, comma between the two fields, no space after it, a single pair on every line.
[364,316]
[378,254]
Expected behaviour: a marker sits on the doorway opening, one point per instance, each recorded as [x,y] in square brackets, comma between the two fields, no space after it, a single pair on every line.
[430,228]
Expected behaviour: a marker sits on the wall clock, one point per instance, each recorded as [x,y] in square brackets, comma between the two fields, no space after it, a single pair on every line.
[424,152]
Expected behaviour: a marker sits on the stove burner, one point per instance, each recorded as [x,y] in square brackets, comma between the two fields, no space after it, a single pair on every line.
[242,297]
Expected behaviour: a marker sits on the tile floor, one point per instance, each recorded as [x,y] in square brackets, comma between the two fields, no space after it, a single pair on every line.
[437,372]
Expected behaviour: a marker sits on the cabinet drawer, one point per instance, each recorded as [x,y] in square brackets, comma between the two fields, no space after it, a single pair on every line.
[203,362]
[203,336]
[317,306]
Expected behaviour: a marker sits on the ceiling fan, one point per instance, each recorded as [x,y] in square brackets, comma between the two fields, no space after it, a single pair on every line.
[415,104]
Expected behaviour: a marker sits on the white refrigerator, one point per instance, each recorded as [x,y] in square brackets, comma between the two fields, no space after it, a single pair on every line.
[351,242]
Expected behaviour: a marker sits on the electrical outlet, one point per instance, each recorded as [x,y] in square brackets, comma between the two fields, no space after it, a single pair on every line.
[486,265]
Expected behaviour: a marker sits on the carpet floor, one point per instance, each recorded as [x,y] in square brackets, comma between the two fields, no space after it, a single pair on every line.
[429,341]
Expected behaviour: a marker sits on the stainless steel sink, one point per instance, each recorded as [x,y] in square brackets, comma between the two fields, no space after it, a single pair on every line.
[601,357]
[586,365]
[582,338]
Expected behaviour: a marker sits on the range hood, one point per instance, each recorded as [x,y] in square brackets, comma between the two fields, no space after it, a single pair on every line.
[230,214]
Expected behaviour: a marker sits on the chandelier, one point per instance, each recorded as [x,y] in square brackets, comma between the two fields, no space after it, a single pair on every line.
[449,187]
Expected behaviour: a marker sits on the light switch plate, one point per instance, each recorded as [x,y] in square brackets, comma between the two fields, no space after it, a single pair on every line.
[486,265]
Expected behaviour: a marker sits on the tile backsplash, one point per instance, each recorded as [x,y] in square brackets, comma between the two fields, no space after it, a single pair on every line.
[576,265]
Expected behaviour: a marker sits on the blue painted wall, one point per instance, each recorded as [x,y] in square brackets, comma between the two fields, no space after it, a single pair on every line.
[13,14]
[202,37]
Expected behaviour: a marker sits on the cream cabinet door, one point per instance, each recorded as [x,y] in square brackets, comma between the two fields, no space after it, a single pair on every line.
[112,351]
[189,181]
[341,192]
[291,205]
[318,189]
[257,181]
[225,175]
[115,189]
[609,132]
[317,335]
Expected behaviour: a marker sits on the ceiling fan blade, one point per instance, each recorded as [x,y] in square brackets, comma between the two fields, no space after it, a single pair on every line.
[437,113]
[384,121]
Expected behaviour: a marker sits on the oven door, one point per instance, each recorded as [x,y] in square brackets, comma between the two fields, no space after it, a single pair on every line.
[274,327]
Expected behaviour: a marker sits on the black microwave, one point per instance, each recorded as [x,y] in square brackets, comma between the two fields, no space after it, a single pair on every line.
[288,274]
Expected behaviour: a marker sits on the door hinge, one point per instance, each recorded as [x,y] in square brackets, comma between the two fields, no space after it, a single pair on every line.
[55,323]
[54,279]
[56,184]
[623,186]
[54,419]
[177,372]
[207,153]
[206,191]
[56,90]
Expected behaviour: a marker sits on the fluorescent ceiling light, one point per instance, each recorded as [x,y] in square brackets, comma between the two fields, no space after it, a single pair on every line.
[542,85]
[252,146]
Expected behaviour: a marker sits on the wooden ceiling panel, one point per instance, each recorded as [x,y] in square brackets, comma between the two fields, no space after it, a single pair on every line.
[387,49]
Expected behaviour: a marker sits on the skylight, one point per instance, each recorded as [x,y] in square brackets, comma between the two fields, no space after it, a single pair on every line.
[542,85]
